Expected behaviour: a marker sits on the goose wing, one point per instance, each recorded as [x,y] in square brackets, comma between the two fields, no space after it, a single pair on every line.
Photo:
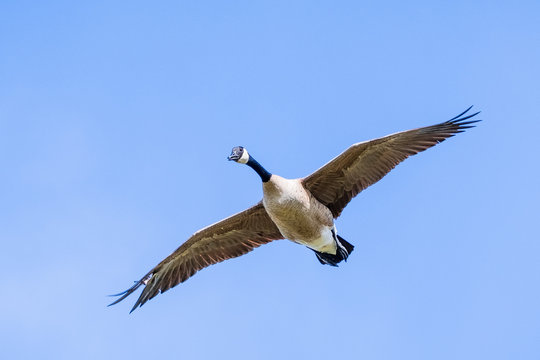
[226,239]
[365,163]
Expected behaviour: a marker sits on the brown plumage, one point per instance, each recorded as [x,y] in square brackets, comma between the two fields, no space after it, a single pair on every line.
[226,239]
[331,187]
[365,163]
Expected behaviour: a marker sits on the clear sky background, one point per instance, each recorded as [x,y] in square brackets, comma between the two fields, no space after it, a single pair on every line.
[115,122]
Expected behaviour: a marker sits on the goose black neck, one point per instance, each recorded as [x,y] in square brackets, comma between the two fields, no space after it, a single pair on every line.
[265,175]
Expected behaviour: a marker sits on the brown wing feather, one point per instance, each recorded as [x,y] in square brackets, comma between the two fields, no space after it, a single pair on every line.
[365,163]
[226,239]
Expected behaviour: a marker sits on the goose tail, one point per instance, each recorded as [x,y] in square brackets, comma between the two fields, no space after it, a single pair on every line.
[344,249]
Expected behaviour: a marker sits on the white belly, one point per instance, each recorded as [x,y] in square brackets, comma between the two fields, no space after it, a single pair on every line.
[324,243]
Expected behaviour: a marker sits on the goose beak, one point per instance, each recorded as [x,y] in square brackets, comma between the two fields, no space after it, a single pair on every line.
[233,157]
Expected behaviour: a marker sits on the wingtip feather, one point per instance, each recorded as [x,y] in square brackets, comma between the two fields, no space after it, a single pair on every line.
[463,113]
[131,290]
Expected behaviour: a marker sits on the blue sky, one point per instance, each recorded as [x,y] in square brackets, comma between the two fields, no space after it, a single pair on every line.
[115,122]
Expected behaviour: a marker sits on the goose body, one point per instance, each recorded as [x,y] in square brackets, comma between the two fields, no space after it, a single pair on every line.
[301,210]
[298,215]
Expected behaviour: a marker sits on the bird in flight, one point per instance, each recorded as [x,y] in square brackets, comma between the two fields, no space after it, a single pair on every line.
[301,210]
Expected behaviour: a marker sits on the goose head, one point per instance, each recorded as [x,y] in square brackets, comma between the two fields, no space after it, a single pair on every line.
[239,154]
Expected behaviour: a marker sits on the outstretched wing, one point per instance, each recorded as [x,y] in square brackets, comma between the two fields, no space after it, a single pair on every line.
[226,239]
[365,163]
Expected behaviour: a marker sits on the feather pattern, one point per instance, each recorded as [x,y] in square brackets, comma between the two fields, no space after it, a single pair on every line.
[365,163]
[226,239]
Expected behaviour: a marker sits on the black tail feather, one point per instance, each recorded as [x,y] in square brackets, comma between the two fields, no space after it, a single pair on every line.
[328,259]
[344,248]
[348,246]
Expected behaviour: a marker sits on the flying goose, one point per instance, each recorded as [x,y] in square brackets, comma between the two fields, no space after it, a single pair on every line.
[301,210]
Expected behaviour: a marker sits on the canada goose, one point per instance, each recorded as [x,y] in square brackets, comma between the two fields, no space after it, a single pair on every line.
[301,210]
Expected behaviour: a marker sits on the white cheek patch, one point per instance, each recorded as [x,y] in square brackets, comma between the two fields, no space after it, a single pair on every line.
[244,158]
